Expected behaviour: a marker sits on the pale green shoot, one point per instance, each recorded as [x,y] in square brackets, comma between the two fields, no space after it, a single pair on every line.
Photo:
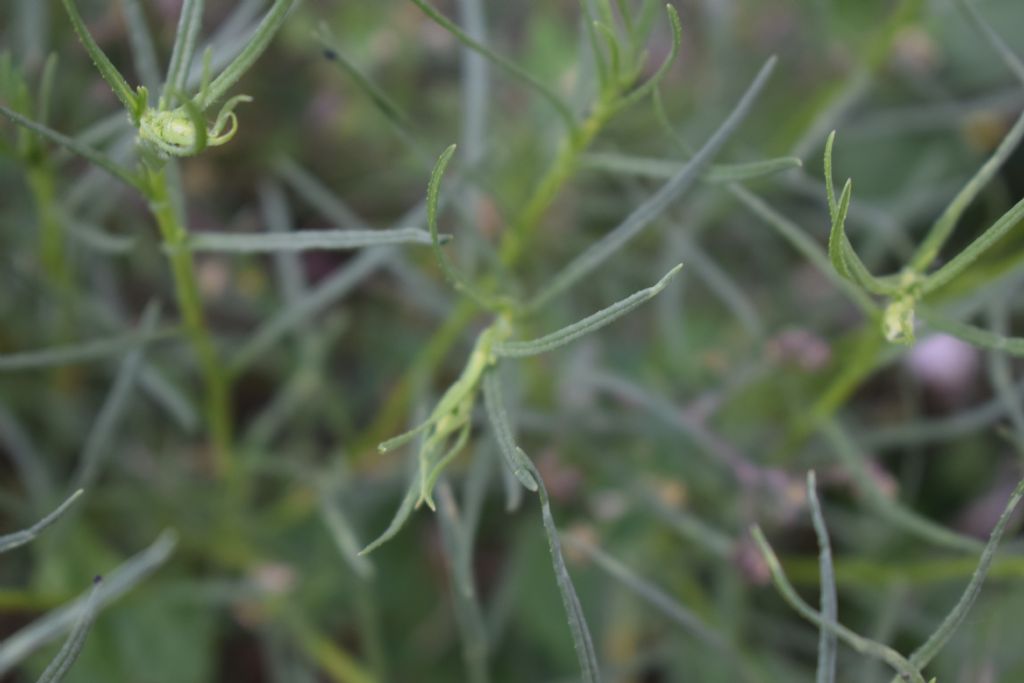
[451,417]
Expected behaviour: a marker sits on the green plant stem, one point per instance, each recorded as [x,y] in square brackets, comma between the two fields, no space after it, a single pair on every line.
[513,245]
[562,168]
[216,400]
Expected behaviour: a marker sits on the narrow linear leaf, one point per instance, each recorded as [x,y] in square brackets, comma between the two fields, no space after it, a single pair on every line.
[891,510]
[344,537]
[308,240]
[383,103]
[600,62]
[648,86]
[32,469]
[44,99]
[335,661]
[19,538]
[254,47]
[840,251]
[95,238]
[924,654]
[830,188]
[943,227]
[170,397]
[434,470]
[590,671]
[458,281]
[93,155]
[402,515]
[58,668]
[189,22]
[1008,221]
[513,455]
[935,430]
[653,596]
[644,214]
[826,671]
[859,643]
[277,219]
[319,196]
[799,240]
[509,66]
[611,41]
[143,48]
[16,647]
[836,233]
[79,353]
[1009,57]
[457,545]
[972,334]
[405,437]
[101,434]
[337,285]
[664,169]
[475,89]
[586,326]
[110,74]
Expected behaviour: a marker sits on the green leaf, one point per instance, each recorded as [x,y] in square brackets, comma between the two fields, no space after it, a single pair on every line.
[509,66]
[15,647]
[93,155]
[143,47]
[1009,57]
[498,416]
[1008,221]
[78,353]
[652,83]
[98,444]
[924,654]
[891,510]
[841,253]
[344,536]
[58,668]
[189,22]
[644,214]
[518,349]
[341,282]
[20,538]
[402,514]
[656,597]
[943,228]
[663,169]
[110,74]
[972,334]
[307,240]
[810,249]
[434,469]
[254,47]
[863,645]
[380,99]
[590,671]
[458,281]
[826,672]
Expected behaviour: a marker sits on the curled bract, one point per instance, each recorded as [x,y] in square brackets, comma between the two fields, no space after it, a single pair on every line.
[183,131]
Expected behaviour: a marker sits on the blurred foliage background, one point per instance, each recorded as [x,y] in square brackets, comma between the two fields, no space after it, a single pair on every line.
[662,438]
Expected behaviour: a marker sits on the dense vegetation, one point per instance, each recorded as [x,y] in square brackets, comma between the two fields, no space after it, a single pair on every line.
[242,258]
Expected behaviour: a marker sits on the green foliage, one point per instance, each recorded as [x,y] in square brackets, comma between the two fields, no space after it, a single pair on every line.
[239,375]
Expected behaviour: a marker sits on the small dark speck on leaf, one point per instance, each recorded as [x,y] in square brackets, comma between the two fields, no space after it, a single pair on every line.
[330,54]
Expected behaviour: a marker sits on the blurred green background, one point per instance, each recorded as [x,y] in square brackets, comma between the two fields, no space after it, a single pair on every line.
[662,438]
